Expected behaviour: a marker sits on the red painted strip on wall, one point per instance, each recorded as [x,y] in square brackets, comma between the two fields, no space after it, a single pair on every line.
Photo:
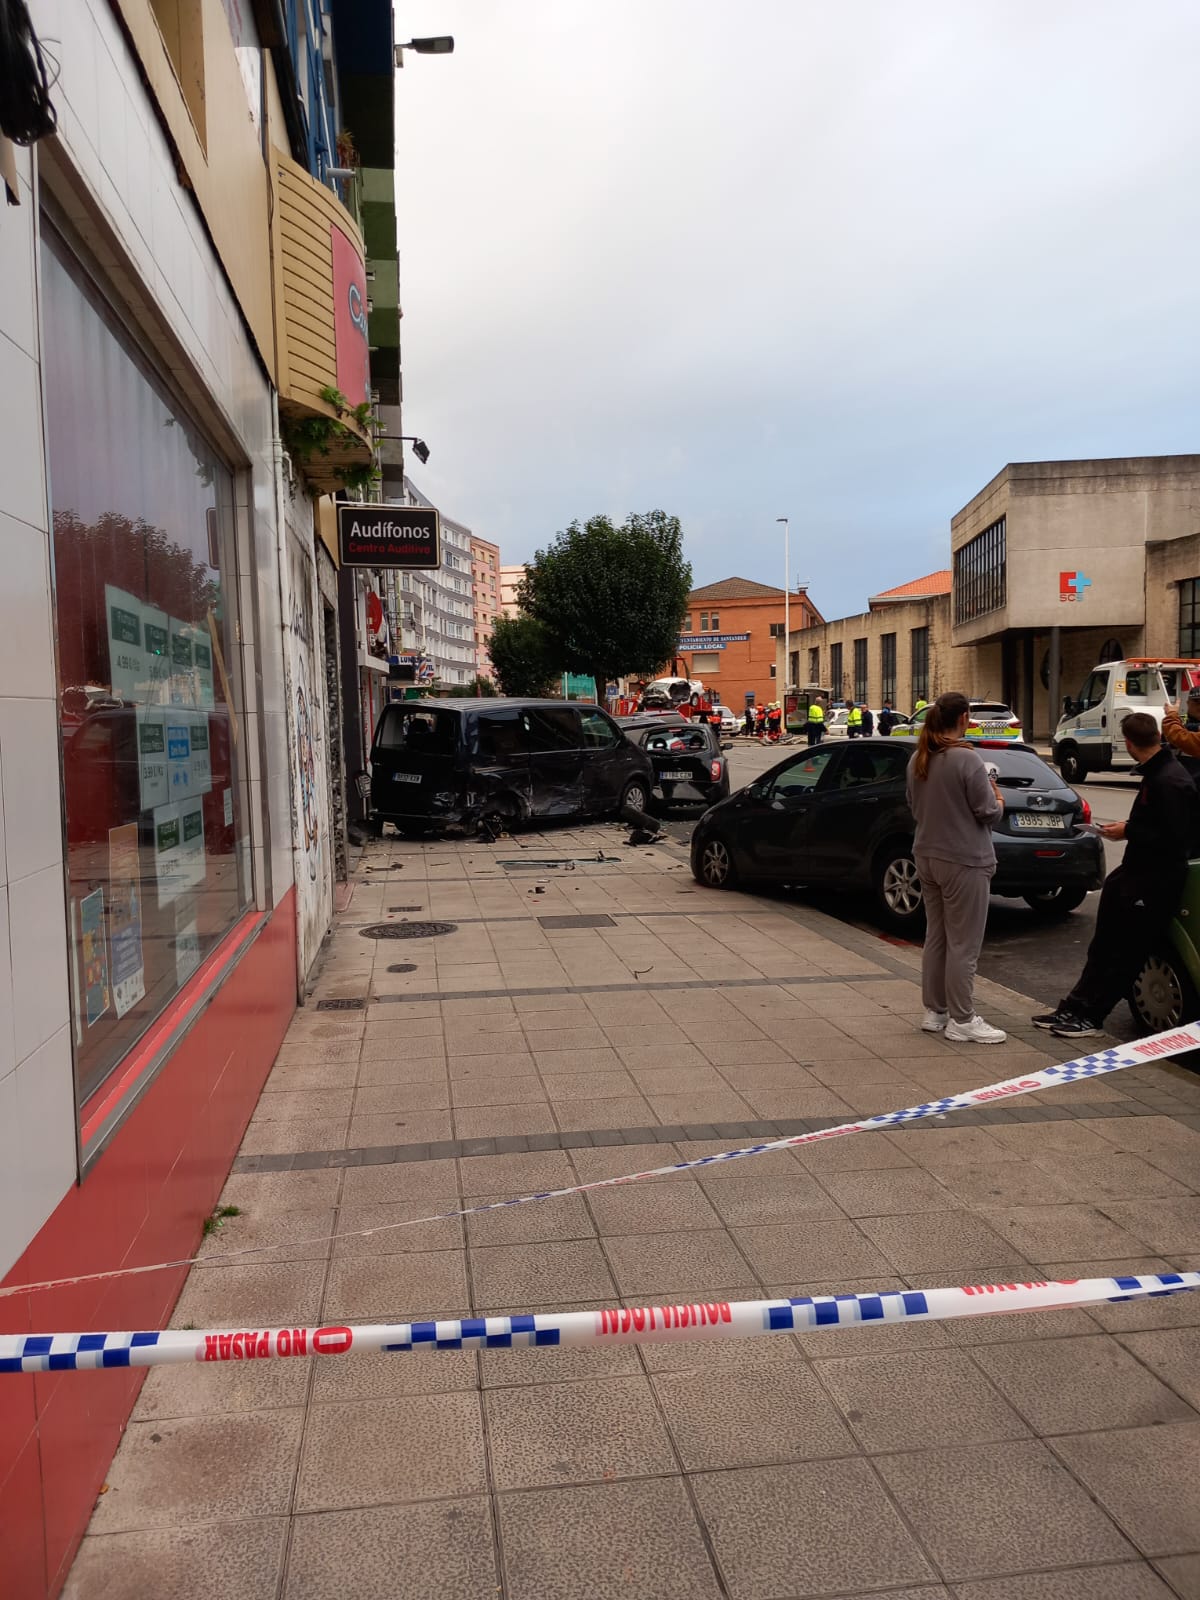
[144,1200]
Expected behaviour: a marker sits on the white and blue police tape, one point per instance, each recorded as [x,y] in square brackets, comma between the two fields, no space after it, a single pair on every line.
[704,1319]
[1173,1042]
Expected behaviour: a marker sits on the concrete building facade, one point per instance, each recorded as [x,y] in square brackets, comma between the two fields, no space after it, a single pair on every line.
[731,635]
[1062,564]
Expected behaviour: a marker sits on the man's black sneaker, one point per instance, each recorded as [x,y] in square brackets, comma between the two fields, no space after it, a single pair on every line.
[1048,1019]
[1074,1028]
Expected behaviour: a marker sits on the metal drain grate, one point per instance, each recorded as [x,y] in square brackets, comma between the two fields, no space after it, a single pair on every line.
[407,930]
[403,966]
[406,908]
[341,1005]
[582,921]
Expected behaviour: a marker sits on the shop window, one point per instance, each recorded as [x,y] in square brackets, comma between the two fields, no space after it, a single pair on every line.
[919,661]
[151,725]
[1189,617]
[860,670]
[887,664]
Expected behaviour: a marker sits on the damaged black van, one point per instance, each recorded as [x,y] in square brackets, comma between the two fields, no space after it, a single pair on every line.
[462,762]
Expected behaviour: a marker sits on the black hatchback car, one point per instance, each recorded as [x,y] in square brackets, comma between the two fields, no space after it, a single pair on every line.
[689,764]
[836,817]
[460,762]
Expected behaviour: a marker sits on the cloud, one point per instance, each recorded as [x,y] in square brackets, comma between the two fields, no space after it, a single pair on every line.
[834,262]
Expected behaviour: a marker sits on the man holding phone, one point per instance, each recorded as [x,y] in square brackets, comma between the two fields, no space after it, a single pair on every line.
[1140,896]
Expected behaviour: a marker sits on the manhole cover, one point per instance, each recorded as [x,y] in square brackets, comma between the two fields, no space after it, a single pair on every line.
[403,966]
[407,930]
[406,908]
[599,921]
[341,1005]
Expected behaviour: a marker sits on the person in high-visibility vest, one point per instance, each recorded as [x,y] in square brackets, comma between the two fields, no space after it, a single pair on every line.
[816,722]
[920,706]
[854,721]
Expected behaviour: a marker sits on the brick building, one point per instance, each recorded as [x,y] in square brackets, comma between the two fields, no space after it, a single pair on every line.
[729,638]
[485,587]
[899,649]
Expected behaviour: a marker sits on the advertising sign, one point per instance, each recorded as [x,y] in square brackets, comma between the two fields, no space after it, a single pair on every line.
[710,641]
[389,536]
[125,918]
[350,319]
[168,860]
[152,759]
[93,956]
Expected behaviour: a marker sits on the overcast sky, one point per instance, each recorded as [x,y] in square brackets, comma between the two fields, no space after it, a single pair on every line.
[837,262]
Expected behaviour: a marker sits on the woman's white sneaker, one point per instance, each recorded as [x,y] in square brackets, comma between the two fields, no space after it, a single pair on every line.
[974,1031]
[934,1021]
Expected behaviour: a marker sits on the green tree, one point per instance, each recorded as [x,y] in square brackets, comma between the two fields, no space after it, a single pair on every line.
[523,656]
[612,597]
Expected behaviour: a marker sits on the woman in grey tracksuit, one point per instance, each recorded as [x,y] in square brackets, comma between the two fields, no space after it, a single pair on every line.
[955,802]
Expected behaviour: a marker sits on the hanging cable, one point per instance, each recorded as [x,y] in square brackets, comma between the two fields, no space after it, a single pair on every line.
[26,113]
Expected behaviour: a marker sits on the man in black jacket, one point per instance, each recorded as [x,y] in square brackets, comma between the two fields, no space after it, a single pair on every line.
[1141,896]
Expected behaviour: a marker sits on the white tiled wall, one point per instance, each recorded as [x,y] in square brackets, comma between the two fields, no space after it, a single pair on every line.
[110,134]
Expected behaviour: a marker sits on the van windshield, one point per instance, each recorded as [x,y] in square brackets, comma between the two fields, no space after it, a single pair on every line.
[419,731]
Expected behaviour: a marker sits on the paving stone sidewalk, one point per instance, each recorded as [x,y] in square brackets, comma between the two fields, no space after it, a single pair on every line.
[593,1012]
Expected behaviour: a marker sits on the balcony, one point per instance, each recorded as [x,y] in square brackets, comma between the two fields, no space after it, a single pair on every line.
[322,354]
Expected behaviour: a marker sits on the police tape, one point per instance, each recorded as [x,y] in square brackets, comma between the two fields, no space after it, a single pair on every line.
[697,1319]
[1175,1041]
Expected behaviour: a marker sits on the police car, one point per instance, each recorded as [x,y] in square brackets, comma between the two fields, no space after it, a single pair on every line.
[989,720]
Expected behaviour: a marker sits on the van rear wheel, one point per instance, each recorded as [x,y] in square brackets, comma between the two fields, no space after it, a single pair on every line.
[1070,763]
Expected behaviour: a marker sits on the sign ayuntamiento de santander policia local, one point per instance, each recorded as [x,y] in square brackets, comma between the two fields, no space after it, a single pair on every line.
[389,536]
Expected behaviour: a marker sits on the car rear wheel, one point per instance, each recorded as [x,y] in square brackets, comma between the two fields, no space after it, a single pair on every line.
[636,796]
[1070,763]
[1162,995]
[714,867]
[898,891]
[1053,903]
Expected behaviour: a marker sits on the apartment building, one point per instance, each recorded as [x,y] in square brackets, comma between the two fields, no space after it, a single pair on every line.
[485,581]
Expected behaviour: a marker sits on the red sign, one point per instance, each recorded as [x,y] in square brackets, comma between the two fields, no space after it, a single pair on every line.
[350,319]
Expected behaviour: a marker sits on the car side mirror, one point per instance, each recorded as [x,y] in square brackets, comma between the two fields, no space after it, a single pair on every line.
[778,805]
[1070,709]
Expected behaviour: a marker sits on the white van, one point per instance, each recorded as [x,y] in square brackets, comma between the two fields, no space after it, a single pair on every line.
[1088,736]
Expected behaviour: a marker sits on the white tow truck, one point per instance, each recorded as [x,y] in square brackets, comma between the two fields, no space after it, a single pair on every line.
[1088,736]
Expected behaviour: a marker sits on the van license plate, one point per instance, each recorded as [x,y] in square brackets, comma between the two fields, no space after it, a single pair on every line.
[678,777]
[1036,819]
[407,777]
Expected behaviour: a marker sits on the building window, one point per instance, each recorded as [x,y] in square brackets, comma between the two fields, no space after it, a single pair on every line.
[981,573]
[705,663]
[150,708]
[772,669]
[814,665]
[714,623]
[687,623]
[776,629]
[1189,617]
[704,622]
[860,670]
[887,664]
[837,676]
[920,663]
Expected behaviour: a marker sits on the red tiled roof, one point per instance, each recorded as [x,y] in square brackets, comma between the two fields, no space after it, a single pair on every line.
[736,589]
[935,583]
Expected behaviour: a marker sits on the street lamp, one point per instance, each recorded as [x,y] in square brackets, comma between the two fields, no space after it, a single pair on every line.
[441,45]
[787,605]
[420,448]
